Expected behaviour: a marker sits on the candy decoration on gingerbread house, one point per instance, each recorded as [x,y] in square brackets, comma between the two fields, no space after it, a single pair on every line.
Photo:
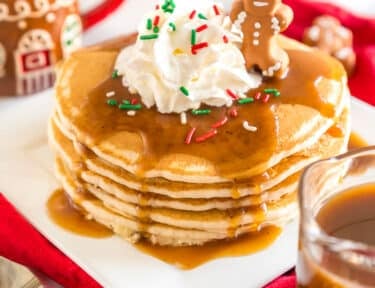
[34,36]
[34,61]
[71,34]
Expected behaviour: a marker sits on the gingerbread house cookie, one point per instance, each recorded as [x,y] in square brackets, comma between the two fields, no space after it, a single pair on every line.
[34,35]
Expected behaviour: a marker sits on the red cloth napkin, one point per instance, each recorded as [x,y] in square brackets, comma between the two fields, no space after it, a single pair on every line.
[20,242]
[96,15]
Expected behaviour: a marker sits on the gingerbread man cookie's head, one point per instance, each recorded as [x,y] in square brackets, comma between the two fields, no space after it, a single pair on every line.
[261,7]
[328,35]
[34,35]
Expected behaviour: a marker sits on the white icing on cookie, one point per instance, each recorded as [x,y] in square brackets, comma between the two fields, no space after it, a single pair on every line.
[24,10]
[314,33]
[343,53]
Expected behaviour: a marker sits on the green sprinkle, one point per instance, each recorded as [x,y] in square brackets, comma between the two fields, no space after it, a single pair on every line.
[273,91]
[201,112]
[115,74]
[168,10]
[156,29]
[184,90]
[129,107]
[193,37]
[112,102]
[173,26]
[72,26]
[246,101]
[201,16]
[149,24]
[149,37]
[168,6]
[126,101]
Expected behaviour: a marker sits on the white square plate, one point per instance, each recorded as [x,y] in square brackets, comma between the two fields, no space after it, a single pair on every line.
[27,180]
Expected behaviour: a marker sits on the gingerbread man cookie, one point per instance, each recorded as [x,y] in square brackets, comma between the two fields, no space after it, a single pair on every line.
[261,21]
[329,35]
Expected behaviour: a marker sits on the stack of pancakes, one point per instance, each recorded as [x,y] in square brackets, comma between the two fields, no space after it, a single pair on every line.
[132,175]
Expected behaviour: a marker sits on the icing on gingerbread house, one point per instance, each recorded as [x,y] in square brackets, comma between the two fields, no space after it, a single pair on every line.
[34,35]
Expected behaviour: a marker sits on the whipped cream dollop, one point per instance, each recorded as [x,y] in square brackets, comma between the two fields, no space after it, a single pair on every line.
[177,69]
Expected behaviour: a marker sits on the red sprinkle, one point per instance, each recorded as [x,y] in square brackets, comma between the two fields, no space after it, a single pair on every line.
[220,123]
[232,95]
[202,28]
[225,39]
[216,9]
[258,96]
[192,14]
[190,135]
[157,7]
[198,46]
[156,20]
[134,101]
[266,98]
[233,113]
[206,136]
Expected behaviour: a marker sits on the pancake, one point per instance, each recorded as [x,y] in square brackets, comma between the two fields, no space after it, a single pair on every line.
[326,146]
[132,229]
[298,124]
[214,220]
[137,176]
[134,196]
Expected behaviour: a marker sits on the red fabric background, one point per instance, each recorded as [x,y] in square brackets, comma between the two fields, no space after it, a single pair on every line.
[362,81]
[20,242]
[99,13]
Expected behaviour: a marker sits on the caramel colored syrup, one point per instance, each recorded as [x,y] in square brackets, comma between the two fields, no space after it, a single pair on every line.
[191,257]
[356,141]
[233,147]
[235,193]
[62,212]
[231,150]
[350,216]
[67,216]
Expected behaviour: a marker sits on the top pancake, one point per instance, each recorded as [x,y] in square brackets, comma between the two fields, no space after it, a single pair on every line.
[313,95]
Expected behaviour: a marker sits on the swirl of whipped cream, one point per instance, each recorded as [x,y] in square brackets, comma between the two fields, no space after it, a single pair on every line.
[159,69]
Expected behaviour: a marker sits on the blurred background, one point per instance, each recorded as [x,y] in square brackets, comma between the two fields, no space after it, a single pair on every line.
[131,12]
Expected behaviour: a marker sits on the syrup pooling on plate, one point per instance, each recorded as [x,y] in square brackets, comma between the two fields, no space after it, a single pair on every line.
[357,141]
[165,135]
[69,217]
[192,257]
